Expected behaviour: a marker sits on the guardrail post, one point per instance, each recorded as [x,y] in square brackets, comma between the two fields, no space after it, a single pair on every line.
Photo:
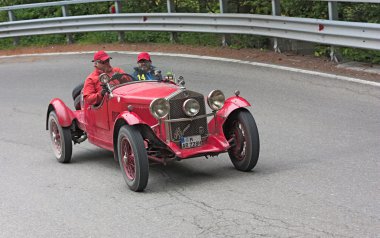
[173,35]
[12,17]
[276,11]
[121,36]
[65,13]
[226,39]
[333,15]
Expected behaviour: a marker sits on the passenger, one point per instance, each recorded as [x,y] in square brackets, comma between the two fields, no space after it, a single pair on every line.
[93,90]
[145,69]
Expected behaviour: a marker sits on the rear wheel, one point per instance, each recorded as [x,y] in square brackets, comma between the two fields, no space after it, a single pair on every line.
[245,149]
[133,158]
[60,139]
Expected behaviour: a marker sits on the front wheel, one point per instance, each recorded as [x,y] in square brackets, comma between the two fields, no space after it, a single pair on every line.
[60,139]
[133,158]
[242,131]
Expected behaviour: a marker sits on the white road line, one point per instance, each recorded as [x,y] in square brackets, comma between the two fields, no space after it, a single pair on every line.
[332,76]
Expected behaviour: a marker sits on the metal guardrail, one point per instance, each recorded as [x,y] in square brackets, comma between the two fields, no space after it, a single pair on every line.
[352,34]
[64,9]
[331,32]
[51,4]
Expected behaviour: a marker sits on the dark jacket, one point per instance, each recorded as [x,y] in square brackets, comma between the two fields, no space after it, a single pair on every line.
[138,74]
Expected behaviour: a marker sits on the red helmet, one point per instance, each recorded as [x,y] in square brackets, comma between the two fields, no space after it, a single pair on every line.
[143,56]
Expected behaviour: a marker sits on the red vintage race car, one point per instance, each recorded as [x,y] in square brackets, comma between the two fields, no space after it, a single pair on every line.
[158,120]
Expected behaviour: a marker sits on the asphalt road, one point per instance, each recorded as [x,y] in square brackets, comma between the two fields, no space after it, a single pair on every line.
[317,176]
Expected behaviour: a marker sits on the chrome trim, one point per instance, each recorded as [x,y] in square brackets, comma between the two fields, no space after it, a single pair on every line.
[174,94]
[167,123]
[190,119]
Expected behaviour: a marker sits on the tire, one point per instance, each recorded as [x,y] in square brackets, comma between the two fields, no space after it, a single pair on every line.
[133,158]
[77,102]
[77,90]
[60,139]
[245,149]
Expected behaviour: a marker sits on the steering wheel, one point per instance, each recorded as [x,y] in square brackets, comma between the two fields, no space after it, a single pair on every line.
[122,77]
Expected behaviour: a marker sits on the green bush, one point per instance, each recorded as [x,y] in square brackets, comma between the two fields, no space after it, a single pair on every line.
[203,39]
[371,56]
[143,36]
[95,37]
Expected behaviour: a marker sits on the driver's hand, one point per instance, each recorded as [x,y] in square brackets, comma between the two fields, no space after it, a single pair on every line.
[104,89]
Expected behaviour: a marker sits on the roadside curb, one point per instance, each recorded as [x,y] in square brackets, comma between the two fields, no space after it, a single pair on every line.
[326,75]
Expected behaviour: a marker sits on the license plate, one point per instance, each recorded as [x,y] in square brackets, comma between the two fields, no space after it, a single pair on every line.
[191,141]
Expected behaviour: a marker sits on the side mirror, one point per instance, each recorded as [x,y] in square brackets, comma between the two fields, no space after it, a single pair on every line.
[104,78]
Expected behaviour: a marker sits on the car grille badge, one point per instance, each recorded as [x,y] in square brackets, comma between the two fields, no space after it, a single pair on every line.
[178,133]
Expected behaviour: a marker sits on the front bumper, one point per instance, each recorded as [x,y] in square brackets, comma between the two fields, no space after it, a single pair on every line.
[213,145]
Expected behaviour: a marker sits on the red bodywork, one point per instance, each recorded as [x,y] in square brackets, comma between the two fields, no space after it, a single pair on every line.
[130,105]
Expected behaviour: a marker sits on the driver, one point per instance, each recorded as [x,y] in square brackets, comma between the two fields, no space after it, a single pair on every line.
[93,91]
[145,69]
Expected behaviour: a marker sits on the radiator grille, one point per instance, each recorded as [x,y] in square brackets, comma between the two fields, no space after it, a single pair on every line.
[186,128]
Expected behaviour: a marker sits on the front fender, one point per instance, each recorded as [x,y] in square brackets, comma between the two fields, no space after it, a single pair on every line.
[230,105]
[65,115]
[130,118]
[124,118]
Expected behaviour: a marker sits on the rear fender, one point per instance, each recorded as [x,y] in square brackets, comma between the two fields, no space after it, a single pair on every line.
[65,115]
[231,105]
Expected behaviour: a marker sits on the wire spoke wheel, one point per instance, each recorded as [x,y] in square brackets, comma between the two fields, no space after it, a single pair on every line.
[133,158]
[128,158]
[239,150]
[60,137]
[245,147]
[55,138]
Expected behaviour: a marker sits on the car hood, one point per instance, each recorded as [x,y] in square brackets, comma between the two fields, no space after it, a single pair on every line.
[145,91]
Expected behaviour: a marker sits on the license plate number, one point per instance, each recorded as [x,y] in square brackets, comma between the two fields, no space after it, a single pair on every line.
[191,141]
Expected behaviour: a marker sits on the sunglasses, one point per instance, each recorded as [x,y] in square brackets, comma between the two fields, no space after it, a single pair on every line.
[100,61]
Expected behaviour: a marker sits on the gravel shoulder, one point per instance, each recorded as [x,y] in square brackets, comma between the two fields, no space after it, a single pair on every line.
[308,62]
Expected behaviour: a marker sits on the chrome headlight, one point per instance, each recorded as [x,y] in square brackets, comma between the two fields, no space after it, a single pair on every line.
[191,107]
[159,108]
[216,100]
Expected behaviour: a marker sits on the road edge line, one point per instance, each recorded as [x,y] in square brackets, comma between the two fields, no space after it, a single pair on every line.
[265,65]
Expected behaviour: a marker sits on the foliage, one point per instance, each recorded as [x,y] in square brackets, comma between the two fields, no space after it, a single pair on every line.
[305,9]
[249,41]
[364,12]
[372,56]
[347,11]
[141,36]
[254,7]
[203,39]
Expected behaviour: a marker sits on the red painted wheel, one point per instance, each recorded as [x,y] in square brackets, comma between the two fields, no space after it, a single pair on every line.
[60,139]
[128,158]
[245,147]
[133,158]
